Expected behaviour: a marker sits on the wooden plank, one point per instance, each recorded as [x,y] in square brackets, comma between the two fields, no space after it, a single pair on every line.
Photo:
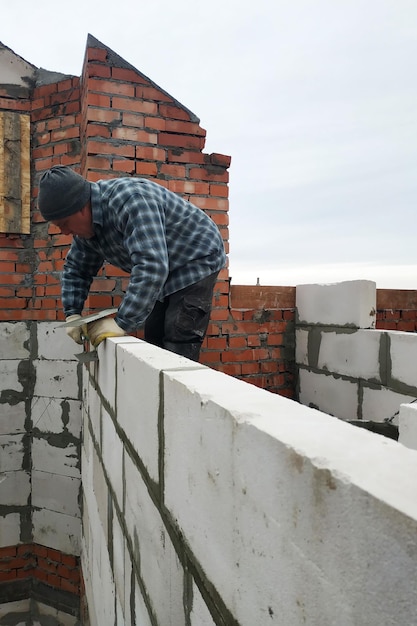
[14,172]
[25,189]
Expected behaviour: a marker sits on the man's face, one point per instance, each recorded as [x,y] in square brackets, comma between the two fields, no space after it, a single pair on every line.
[79,223]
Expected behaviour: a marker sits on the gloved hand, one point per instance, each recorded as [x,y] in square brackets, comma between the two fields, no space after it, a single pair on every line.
[75,332]
[101,329]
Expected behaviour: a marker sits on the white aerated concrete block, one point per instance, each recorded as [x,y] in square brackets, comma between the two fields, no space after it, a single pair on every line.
[156,558]
[93,409]
[54,343]
[51,415]
[62,458]
[408,425]
[200,615]
[102,578]
[101,491]
[353,354]
[330,394]
[12,452]
[138,395]
[404,357]
[57,379]
[106,376]
[314,508]
[9,378]
[10,530]
[301,346]
[56,493]
[12,418]
[112,453]
[141,612]
[13,610]
[382,403]
[350,303]
[14,338]
[57,530]
[119,550]
[14,488]
[48,614]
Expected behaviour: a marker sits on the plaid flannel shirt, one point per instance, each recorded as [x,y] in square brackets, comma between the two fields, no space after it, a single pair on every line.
[163,241]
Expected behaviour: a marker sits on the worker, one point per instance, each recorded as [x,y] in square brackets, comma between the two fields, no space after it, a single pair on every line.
[172,250]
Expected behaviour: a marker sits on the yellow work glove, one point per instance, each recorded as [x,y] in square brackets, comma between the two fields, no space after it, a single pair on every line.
[99,330]
[75,332]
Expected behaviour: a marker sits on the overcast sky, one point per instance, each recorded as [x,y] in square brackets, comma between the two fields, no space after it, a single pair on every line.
[315,101]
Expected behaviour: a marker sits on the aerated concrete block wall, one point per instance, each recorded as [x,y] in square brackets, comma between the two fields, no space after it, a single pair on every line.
[346,367]
[40,472]
[208,501]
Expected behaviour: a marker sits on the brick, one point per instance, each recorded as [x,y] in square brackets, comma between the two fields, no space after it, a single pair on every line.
[96,54]
[237,342]
[104,147]
[184,128]
[146,169]
[99,163]
[111,87]
[250,368]
[212,203]
[150,93]
[219,190]
[96,70]
[5,576]
[98,100]
[70,586]
[216,343]
[173,171]
[124,165]
[212,174]
[127,75]
[220,159]
[8,552]
[232,369]
[179,186]
[103,115]
[183,141]
[173,112]
[275,339]
[212,357]
[40,550]
[155,123]
[69,560]
[98,130]
[179,155]
[221,219]
[150,153]
[137,106]
[133,119]
[134,134]
[99,301]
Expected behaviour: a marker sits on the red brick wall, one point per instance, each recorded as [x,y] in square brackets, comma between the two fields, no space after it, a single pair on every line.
[28,562]
[397,310]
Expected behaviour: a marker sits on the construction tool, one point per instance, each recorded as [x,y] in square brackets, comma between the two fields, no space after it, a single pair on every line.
[88,355]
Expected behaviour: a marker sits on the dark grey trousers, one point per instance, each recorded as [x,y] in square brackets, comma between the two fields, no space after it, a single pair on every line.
[179,323]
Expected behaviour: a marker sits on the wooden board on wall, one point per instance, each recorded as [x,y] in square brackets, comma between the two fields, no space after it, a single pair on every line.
[14,172]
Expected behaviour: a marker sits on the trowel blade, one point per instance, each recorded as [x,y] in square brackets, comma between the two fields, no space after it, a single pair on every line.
[89,318]
[87,357]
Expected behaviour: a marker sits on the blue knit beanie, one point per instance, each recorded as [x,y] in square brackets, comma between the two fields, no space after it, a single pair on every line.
[62,192]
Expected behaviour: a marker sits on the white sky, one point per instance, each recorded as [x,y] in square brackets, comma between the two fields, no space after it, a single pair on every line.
[315,100]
